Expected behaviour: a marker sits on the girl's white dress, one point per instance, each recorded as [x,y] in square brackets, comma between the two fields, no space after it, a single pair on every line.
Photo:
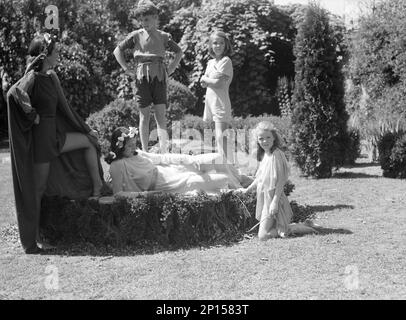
[164,172]
[273,171]
[217,102]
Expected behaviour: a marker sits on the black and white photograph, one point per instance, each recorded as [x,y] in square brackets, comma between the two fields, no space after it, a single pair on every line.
[204,156]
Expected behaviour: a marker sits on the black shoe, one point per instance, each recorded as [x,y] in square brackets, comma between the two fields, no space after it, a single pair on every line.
[43,245]
[34,250]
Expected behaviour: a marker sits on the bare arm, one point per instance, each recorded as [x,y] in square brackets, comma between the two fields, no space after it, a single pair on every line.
[120,58]
[173,46]
[252,185]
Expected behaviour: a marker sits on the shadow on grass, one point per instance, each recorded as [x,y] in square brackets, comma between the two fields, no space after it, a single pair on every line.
[108,252]
[330,208]
[104,253]
[354,175]
[362,165]
[322,231]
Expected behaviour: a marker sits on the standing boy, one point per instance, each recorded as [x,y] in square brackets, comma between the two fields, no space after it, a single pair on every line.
[150,73]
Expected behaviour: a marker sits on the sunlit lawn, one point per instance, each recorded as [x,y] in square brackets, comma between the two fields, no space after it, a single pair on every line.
[367,262]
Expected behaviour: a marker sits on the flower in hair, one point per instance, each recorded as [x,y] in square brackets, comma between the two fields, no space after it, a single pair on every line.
[133,132]
[47,38]
[120,141]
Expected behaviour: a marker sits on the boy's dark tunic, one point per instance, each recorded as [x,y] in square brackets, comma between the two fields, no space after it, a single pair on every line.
[30,143]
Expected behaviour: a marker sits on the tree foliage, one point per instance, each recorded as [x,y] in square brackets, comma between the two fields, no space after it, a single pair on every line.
[376,94]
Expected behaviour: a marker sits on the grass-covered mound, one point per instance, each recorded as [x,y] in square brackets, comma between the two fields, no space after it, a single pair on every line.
[168,219]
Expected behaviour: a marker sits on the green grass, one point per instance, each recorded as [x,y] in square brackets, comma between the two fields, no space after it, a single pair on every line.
[371,208]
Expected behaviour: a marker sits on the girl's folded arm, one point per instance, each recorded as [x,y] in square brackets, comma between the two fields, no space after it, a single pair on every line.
[216,82]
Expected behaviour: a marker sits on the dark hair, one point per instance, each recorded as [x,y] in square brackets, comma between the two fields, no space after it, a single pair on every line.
[116,151]
[39,46]
[146,8]
[228,49]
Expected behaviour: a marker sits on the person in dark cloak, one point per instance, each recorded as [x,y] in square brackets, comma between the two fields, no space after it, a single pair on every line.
[53,151]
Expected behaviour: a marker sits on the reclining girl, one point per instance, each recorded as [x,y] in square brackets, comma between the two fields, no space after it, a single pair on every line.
[133,170]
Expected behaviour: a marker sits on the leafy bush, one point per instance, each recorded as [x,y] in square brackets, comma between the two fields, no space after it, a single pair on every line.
[397,166]
[385,146]
[352,146]
[118,113]
[319,116]
[168,219]
[239,123]
[16,32]
[76,79]
[392,155]
[180,100]
[87,41]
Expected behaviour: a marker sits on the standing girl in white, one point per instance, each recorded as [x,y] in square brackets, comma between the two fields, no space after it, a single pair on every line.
[217,79]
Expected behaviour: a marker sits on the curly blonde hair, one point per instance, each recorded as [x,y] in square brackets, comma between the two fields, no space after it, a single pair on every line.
[258,152]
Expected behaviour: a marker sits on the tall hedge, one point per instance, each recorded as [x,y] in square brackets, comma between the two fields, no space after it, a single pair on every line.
[319,117]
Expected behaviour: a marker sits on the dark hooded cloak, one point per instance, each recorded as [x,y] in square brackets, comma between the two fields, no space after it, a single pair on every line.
[68,176]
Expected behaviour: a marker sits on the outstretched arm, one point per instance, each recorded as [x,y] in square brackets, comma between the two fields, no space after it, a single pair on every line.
[251,187]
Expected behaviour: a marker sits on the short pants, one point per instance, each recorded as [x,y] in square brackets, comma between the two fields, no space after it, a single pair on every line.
[150,92]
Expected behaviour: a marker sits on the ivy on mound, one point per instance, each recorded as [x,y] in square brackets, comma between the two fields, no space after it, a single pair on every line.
[168,219]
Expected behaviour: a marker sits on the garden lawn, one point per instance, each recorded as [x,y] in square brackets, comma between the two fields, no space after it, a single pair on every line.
[364,258]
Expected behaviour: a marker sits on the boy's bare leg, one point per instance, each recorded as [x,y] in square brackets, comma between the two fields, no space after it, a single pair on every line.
[144,127]
[160,118]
